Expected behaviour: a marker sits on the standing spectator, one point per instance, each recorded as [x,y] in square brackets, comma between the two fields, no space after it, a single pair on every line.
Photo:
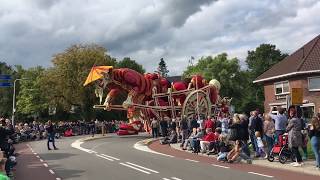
[294,135]
[256,125]
[103,128]
[235,128]
[51,135]
[92,127]
[314,134]
[209,124]
[164,127]
[268,129]
[280,121]
[225,123]
[173,125]
[184,130]
[244,133]
[194,123]
[155,127]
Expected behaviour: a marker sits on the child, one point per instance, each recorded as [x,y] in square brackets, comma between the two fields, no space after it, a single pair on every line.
[261,151]
[223,148]
[235,152]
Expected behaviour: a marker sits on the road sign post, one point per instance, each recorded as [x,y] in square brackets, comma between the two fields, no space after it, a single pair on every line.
[296,96]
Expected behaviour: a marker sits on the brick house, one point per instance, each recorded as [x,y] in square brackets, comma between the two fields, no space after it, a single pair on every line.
[299,70]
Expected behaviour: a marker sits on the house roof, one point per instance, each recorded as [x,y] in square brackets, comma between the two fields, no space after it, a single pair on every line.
[303,61]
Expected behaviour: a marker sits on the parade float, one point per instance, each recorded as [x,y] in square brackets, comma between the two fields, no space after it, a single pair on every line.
[152,96]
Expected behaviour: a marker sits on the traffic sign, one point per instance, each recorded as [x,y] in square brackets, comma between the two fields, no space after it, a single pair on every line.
[5,77]
[5,84]
[296,96]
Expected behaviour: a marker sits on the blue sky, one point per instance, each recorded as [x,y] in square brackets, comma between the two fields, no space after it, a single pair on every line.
[146,30]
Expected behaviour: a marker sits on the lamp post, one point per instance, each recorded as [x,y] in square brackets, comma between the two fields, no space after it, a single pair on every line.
[14,98]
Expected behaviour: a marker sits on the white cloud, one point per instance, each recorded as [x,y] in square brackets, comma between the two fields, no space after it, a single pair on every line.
[32,31]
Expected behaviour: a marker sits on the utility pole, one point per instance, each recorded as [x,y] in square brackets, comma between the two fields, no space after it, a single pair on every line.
[14,99]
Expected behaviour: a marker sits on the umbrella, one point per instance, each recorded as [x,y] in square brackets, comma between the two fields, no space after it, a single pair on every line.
[96,73]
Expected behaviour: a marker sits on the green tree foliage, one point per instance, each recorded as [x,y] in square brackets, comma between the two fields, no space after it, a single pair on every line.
[227,72]
[258,61]
[132,64]
[31,99]
[64,82]
[162,68]
[262,58]
[6,92]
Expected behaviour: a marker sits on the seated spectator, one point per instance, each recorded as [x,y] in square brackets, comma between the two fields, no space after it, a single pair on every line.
[173,138]
[234,153]
[188,141]
[214,146]
[224,148]
[195,142]
[207,139]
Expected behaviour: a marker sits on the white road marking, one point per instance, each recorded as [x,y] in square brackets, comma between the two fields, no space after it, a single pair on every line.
[132,167]
[151,170]
[104,157]
[192,160]
[58,178]
[166,179]
[41,160]
[38,156]
[110,157]
[260,174]
[45,165]
[35,153]
[226,167]
[145,148]
[50,170]
[175,178]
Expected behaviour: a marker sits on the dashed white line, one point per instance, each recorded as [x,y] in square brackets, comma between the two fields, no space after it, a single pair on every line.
[132,167]
[260,174]
[192,160]
[110,157]
[58,178]
[35,153]
[45,165]
[226,167]
[38,156]
[151,170]
[166,179]
[104,157]
[41,160]
[50,170]
[175,178]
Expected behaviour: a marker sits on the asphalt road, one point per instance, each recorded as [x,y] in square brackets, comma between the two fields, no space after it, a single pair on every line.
[115,158]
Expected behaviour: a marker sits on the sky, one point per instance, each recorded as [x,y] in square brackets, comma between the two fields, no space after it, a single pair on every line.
[32,31]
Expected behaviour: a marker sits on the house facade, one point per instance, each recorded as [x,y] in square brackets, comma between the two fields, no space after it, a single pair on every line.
[299,70]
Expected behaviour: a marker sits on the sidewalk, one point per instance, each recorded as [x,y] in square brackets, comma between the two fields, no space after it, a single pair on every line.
[308,167]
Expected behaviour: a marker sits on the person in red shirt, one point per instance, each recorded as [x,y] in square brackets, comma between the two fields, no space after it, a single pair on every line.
[207,139]
[209,124]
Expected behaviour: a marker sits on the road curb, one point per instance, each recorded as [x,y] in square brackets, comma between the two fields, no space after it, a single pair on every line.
[255,163]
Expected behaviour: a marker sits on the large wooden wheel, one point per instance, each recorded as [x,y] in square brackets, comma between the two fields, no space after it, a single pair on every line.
[196,103]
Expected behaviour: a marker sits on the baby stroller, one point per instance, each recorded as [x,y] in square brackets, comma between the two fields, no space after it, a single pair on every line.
[281,149]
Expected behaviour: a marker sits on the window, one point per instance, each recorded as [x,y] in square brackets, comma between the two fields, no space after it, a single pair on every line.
[314,83]
[281,88]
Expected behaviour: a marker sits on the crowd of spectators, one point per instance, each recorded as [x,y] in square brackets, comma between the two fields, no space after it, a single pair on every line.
[9,135]
[238,137]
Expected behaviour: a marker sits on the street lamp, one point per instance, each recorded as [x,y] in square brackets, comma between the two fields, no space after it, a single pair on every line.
[14,98]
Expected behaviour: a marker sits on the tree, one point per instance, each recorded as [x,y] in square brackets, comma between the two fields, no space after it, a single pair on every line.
[131,64]
[258,61]
[31,99]
[262,58]
[162,68]
[64,81]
